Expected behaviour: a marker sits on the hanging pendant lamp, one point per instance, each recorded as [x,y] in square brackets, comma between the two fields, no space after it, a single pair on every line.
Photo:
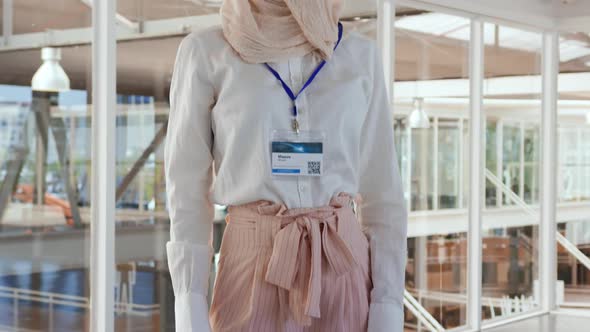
[418,118]
[50,76]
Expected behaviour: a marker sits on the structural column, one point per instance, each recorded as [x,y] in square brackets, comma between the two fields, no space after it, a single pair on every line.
[476,164]
[548,228]
[386,40]
[103,166]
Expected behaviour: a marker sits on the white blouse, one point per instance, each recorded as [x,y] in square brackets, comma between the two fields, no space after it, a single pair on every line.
[222,112]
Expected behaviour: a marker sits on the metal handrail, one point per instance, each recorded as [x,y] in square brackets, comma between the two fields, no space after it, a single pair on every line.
[421,313]
[459,298]
[567,244]
[511,194]
[419,316]
[572,249]
[18,294]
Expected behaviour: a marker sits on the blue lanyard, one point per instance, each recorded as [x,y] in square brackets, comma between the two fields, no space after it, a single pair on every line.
[311,78]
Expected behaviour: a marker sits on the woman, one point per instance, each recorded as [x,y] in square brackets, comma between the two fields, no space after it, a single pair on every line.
[284,117]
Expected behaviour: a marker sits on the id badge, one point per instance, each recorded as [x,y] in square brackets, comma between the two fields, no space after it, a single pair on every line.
[295,154]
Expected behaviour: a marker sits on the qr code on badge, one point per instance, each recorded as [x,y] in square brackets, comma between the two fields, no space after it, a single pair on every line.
[313,167]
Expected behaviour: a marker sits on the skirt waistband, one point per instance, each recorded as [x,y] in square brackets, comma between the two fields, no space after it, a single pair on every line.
[255,209]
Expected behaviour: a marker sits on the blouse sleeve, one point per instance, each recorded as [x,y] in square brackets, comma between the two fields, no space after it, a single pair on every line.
[188,171]
[383,208]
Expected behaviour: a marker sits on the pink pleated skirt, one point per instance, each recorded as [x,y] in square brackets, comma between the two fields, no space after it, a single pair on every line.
[292,270]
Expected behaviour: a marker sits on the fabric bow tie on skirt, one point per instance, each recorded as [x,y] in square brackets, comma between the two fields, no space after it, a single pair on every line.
[298,255]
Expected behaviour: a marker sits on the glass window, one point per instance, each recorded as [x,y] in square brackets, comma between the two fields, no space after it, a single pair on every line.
[573,176]
[510,240]
[400,130]
[511,154]
[432,139]
[143,288]
[45,168]
[449,161]
[422,181]
[491,142]
[531,164]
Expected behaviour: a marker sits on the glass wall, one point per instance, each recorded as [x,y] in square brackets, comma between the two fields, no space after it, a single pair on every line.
[431,55]
[573,175]
[143,288]
[510,225]
[45,165]
[45,134]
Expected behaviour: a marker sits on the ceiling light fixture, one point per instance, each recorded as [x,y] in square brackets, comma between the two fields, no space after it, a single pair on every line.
[207,3]
[418,118]
[359,18]
[50,76]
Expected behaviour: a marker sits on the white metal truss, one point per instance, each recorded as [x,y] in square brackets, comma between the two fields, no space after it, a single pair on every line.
[79,36]
[121,19]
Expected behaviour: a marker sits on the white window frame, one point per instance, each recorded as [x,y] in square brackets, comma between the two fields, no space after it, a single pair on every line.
[547,241]
[102,229]
[103,163]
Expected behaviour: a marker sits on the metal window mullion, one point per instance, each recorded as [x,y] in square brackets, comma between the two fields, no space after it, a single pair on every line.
[476,148]
[548,226]
[499,160]
[7,20]
[461,162]
[521,161]
[580,168]
[386,40]
[457,168]
[103,167]
[435,190]
[72,147]
[409,167]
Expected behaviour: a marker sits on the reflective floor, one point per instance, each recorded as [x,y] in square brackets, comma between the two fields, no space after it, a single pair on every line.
[548,323]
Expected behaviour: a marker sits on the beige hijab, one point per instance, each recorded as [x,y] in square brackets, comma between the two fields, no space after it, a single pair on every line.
[273,30]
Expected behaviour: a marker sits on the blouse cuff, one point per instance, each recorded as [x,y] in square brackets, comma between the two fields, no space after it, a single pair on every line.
[191,313]
[386,317]
[190,266]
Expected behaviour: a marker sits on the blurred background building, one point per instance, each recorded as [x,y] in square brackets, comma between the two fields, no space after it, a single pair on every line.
[46,160]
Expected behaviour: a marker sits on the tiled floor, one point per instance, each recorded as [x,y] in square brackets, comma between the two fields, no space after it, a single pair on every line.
[548,323]
[37,319]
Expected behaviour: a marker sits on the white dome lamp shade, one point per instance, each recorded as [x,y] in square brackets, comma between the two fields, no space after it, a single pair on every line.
[50,76]
[418,118]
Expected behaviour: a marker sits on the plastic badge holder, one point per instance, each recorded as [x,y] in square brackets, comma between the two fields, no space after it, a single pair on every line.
[295,154]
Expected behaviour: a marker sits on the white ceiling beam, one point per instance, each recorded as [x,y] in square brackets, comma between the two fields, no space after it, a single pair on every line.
[7,16]
[455,221]
[535,13]
[81,36]
[497,86]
